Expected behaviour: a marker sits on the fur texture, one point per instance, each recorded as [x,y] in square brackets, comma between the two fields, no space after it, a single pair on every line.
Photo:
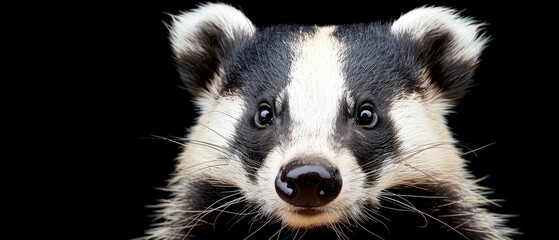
[403,177]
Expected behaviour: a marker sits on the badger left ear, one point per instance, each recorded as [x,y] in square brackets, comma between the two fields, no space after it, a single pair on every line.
[448,47]
[202,39]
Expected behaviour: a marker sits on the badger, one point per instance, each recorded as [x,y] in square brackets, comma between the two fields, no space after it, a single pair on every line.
[325,132]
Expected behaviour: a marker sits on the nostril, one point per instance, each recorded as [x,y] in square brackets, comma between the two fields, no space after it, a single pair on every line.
[326,189]
[308,184]
[285,188]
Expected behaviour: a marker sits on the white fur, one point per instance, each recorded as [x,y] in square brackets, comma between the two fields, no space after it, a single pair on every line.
[186,26]
[467,43]
[317,86]
[420,124]
[215,126]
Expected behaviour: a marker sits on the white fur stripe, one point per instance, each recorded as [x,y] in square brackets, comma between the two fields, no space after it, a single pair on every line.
[212,133]
[316,88]
[427,146]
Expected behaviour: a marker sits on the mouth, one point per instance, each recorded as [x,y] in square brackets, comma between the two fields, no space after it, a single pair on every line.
[308,212]
[309,217]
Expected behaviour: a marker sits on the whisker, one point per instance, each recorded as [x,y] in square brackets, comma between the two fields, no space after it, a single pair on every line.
[303,235]
[338,233]
[423,196]
[243,214]
[477,149]
[197,142]
[226,114]
[423,172]
[410,153]
[408,208]
[369,211]
[423,214]
[369,231]
[222,149]
[278,232]
[198,217]
[263,225]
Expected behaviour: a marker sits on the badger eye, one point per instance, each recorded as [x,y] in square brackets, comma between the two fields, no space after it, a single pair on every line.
[366,116]
[264,117]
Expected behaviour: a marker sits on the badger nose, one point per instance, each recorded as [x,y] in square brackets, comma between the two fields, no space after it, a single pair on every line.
[305,183]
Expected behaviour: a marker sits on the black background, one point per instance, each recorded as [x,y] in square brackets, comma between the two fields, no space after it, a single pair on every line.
[120,62]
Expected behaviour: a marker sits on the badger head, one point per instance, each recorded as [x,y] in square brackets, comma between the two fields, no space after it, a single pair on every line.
[312,127]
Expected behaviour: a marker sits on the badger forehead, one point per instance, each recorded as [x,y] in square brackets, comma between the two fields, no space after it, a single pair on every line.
[356,58]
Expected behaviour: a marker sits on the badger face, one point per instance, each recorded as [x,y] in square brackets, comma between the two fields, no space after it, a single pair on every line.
[317,127]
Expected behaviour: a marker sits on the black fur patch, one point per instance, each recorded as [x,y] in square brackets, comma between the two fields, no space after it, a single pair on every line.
[449,76]
[260,71]
[377,70]
[197,68]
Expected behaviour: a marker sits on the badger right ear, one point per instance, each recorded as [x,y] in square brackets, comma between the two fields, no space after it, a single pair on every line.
[201,39]
[448,47]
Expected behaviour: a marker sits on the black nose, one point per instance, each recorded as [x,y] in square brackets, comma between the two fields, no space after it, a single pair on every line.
[304,183]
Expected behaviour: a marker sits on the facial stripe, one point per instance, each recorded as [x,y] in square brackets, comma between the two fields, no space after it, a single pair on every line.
[316,88]
[376,70]
[260,73]
[205,155]
[428,152]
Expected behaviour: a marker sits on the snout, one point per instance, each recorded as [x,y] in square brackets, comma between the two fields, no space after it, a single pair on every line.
[309,182]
